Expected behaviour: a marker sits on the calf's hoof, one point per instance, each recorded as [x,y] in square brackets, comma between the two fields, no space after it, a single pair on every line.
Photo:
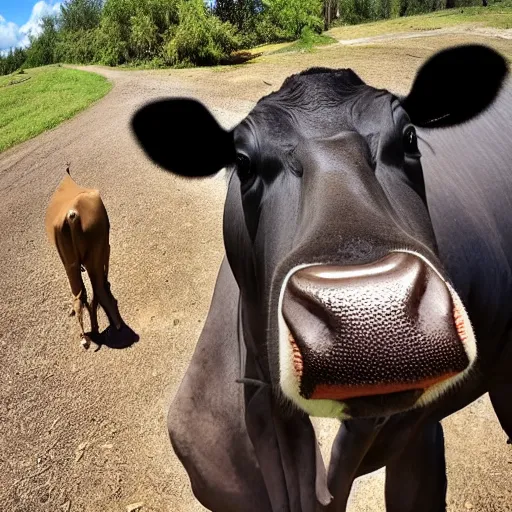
[85,342]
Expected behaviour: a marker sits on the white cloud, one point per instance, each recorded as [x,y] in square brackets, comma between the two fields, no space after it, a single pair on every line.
[12,35]
[8,33]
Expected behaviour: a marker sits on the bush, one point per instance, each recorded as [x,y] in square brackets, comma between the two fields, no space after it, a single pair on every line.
[135,29]
[239,13]
[78,34]
[200,38]
[163,13]
[265,31]
[112,45]
[79,47]
[80,15]
[291,16]
[143,36]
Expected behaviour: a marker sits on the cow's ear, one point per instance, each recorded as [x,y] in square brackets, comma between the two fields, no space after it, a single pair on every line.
[455,85]
[182,136]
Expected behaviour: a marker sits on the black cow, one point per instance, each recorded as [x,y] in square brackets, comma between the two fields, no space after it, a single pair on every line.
[361,282]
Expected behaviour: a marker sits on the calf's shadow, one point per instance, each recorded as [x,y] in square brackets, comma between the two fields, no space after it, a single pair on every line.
[113,338]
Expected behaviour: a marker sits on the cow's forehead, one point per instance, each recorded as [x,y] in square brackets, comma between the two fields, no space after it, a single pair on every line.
[318,102]
[320,84]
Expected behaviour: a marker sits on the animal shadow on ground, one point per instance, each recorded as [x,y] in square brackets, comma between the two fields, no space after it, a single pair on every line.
[113,338]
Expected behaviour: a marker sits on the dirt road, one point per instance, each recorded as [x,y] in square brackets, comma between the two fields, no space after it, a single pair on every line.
[439,32]
[85,431]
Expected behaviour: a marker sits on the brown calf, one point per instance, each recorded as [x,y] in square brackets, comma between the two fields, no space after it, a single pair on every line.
[77,223]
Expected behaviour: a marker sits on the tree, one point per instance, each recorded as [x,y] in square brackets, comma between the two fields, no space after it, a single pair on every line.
[80,15]
[225,10]
[42,49]
[331,11]
[294,15]
[200,37]
[144,35]
[78,47]
[136,29]
[13,61]
[238,12]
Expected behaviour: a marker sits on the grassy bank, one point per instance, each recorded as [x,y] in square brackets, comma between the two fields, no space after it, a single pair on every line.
[41,98]
[497,15]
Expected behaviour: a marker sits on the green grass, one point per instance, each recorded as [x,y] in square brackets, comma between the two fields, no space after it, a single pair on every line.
[51,95]
[497,15]
[306,43]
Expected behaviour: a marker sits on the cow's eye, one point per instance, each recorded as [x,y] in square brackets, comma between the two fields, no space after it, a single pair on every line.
[243,166]
[411,141]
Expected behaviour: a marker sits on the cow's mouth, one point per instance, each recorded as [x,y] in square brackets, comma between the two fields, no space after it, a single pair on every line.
[375,339]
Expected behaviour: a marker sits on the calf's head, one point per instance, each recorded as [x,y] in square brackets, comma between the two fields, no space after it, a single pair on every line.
[327,230]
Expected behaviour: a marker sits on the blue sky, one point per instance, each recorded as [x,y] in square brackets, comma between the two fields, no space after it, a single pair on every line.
[19,18]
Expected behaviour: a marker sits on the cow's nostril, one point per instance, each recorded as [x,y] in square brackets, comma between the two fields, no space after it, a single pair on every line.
[386,327]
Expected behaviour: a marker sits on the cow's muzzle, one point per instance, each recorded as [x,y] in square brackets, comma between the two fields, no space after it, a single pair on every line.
[375,335]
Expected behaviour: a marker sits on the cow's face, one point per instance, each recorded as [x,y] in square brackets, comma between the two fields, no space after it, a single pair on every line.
[327,230]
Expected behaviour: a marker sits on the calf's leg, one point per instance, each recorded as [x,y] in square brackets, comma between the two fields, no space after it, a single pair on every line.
[79,301]
[97,268]
[94,314]
[72,266]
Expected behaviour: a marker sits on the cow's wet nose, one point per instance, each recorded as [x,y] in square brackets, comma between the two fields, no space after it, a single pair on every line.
[374,329]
